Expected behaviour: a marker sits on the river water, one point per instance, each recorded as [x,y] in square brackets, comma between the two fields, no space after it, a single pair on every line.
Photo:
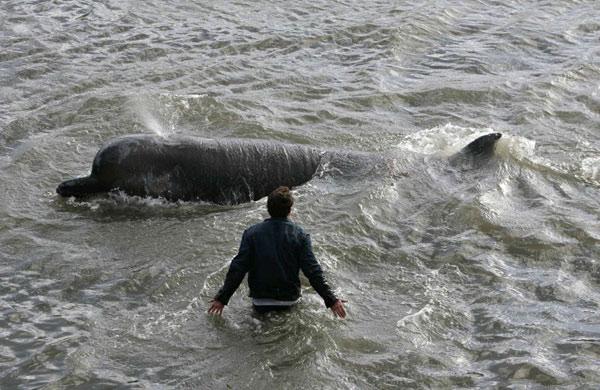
[481,278]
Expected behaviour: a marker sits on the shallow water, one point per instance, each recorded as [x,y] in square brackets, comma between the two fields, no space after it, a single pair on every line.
[480,278]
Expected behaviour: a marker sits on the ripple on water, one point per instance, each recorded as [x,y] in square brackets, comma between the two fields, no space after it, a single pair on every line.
[483,278]
[39,329]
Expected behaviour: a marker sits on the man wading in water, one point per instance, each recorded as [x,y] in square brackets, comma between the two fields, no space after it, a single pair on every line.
[272,253]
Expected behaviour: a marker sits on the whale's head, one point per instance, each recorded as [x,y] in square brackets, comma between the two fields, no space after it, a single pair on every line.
[80,187]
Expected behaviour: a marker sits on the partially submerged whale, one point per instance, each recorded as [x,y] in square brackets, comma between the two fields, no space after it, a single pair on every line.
[226,171]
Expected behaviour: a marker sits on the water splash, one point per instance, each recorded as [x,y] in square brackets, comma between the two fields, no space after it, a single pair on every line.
[156,115]
[519,148]
[590,168]
[445,140]
[163,114]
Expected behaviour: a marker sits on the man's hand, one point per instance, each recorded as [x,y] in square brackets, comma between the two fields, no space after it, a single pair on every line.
[216,308]
[338,308]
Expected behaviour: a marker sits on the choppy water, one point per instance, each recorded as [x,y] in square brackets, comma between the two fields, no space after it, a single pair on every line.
[487,278]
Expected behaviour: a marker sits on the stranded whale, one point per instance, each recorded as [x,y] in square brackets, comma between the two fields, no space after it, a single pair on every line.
[226,171]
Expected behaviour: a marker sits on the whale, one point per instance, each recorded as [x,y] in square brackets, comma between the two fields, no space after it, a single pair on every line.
[221,171]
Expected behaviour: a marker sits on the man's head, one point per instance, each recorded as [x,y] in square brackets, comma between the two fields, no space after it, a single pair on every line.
[279,203]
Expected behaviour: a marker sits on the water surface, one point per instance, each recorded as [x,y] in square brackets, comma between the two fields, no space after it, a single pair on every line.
[482,278]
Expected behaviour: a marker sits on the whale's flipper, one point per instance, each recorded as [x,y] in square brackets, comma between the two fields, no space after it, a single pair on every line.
[477,151]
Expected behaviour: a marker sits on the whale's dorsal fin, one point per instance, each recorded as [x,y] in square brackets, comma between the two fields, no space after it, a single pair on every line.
[482,148]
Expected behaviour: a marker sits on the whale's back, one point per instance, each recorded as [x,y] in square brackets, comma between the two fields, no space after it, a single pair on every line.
[220,171]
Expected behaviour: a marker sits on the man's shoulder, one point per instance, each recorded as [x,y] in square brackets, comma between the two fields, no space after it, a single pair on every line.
[298,227]
[257,227]
[289,224]
[253,228]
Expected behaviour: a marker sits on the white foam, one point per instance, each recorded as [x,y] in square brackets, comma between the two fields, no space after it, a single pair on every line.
[445,140]
[415,320]
[590,168]
[520,148]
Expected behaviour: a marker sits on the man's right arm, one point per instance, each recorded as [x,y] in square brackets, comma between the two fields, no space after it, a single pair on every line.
[237,270]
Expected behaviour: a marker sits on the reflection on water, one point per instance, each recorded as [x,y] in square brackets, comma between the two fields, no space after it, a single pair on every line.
[482,277]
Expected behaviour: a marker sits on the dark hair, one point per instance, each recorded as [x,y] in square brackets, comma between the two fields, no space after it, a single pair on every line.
[279,203]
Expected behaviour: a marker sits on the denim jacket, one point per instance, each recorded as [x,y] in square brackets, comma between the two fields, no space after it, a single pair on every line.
[272,253]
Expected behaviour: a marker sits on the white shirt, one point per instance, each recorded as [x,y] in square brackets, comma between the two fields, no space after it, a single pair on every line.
[272,302]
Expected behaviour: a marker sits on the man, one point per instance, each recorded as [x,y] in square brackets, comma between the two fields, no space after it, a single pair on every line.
[272,253]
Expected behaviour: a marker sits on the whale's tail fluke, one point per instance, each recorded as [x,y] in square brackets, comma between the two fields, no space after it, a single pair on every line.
[477,151]
[80,187]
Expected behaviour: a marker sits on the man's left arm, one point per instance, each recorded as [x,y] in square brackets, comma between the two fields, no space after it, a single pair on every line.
[313,271]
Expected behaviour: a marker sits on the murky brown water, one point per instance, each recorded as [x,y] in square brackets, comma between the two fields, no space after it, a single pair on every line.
[484,278]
